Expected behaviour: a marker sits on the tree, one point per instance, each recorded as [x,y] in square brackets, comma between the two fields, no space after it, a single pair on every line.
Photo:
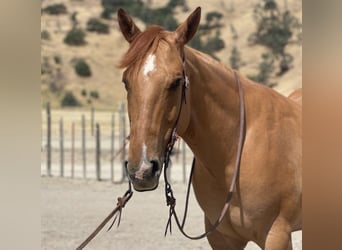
[69,100]
[82,68]
[95,25]
[207,38]
[275,29]
[266,68]
[55,9]
[235,59]
[73,19]
[75,37]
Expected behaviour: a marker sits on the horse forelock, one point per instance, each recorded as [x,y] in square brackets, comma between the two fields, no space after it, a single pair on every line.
[143,43]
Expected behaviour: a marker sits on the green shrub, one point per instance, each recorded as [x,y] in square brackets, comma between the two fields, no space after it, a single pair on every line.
[213,16]
[55,9]
[235,58]
[82,68]
[75,37]
[94,94]
[69,100]
[214,44]
[73,19]
[208,37]
[285,63]
[45,66]
[164,16]
[58,59]
[106,14]
[45,35]
[275,29]
[84,92]
[95,25]
[266,67]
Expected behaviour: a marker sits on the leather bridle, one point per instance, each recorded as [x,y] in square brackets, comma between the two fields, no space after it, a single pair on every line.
[170,199]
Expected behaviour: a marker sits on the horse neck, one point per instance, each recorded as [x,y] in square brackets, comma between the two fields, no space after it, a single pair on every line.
[212,131]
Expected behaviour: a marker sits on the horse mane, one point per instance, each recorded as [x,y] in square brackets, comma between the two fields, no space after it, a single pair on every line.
[141,44]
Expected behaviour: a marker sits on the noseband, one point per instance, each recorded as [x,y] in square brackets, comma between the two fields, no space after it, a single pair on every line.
[170,199]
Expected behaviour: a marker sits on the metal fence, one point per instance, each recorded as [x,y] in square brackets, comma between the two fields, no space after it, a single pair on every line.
[92,144]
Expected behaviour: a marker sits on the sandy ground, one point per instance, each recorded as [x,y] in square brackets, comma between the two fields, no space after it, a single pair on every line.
[72,208]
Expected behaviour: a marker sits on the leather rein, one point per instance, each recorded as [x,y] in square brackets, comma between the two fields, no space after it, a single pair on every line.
[170,199]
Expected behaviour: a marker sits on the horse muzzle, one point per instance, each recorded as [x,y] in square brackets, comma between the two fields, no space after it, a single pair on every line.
[145,177]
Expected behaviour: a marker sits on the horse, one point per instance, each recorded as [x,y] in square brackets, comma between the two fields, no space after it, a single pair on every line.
[296,96]
[170,84]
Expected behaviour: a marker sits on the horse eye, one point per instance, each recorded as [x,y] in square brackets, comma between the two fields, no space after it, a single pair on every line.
[125,82]
[175,84]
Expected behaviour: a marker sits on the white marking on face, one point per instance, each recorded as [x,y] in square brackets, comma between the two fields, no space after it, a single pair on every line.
[149,64]
[144,150]
[144,163]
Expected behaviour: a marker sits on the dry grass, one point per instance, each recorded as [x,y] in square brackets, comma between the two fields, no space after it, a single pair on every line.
[103,52]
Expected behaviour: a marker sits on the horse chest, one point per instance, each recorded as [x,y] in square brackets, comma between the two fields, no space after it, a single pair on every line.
[241,218]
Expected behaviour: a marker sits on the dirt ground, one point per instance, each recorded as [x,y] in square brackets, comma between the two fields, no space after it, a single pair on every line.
[72,208]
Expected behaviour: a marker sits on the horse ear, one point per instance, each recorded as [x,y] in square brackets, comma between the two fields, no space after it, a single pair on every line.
[187,29]
[127,26]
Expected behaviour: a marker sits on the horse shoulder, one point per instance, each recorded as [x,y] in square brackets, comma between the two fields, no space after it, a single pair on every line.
[296,96]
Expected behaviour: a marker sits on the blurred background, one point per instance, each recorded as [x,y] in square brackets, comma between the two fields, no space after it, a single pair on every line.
[84,125]
[81,44]
[84,119]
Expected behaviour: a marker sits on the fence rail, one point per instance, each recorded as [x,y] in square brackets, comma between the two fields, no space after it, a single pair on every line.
[93,144]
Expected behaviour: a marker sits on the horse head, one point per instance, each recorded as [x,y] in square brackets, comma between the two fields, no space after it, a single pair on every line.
[154,78]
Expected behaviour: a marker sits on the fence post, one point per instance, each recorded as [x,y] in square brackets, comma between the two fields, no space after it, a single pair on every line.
[112,149]
[84,160]
[61,143]
[48,156]
[98,153]
[123,139]
[72,149]
[184,160]
[92,120]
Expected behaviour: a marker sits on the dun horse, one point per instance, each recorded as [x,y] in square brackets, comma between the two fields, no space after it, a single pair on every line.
[266,205]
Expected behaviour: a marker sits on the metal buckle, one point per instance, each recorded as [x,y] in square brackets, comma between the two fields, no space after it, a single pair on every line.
[187,82]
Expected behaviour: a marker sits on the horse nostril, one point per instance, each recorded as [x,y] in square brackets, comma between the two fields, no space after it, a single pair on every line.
[155,167]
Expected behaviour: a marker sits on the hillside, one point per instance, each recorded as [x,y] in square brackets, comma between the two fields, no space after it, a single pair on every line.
[103,51]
